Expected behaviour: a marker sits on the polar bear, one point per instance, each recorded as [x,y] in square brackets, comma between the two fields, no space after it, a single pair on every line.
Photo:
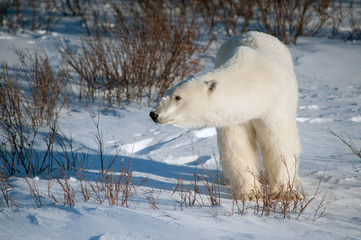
[251,98]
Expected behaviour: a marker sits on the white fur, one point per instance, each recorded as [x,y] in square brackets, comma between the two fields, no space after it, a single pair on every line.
[250,97]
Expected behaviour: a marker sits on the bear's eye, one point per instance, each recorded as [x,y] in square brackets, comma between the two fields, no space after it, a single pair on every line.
[177,98]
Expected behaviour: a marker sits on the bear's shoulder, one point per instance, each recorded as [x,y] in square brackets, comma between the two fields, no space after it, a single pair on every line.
[262,43]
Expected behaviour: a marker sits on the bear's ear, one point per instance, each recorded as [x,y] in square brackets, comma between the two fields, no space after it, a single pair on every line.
[212,84]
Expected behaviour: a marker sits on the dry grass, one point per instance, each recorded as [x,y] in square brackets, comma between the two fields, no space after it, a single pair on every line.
[114,187]
[84,185]
[34,191]
[68,190]
[117,188]
[123,186]
[5,198]
[205,184]
[211,183]
[319,210]
[289,202]
[151,199]
[188,195]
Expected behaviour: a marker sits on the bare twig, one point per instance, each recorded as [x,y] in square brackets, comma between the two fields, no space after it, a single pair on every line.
[349,144]
[34,190]
[4,189]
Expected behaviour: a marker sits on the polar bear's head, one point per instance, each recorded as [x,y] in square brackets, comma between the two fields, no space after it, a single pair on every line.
[187,104]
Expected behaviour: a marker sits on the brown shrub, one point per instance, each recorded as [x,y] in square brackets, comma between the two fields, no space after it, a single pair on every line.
[31,94]
[148,49]
[288,20]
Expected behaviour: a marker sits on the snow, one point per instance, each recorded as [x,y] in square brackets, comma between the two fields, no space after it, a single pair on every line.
[205,133]
[329,78]
[356,119]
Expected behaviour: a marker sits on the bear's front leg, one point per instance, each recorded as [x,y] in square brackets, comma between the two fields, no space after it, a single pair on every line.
[239,160]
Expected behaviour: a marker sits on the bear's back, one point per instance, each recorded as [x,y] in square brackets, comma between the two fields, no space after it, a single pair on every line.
[258,41]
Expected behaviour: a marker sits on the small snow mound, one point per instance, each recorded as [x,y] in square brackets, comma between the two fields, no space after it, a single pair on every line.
[137,146]
[42,32]
[179,160]
[113,142]
[314,120]
[72,179]
[5,37]
[321,120]
[205,133]
[310,107]
[356,119]
[303,120]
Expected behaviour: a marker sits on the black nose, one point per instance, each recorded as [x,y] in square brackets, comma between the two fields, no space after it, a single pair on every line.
[154,116]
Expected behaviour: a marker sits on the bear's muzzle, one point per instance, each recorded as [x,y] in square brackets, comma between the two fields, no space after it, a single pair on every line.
[154,116]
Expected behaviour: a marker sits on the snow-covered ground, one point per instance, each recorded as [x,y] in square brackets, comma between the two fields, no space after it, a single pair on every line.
[329,77]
